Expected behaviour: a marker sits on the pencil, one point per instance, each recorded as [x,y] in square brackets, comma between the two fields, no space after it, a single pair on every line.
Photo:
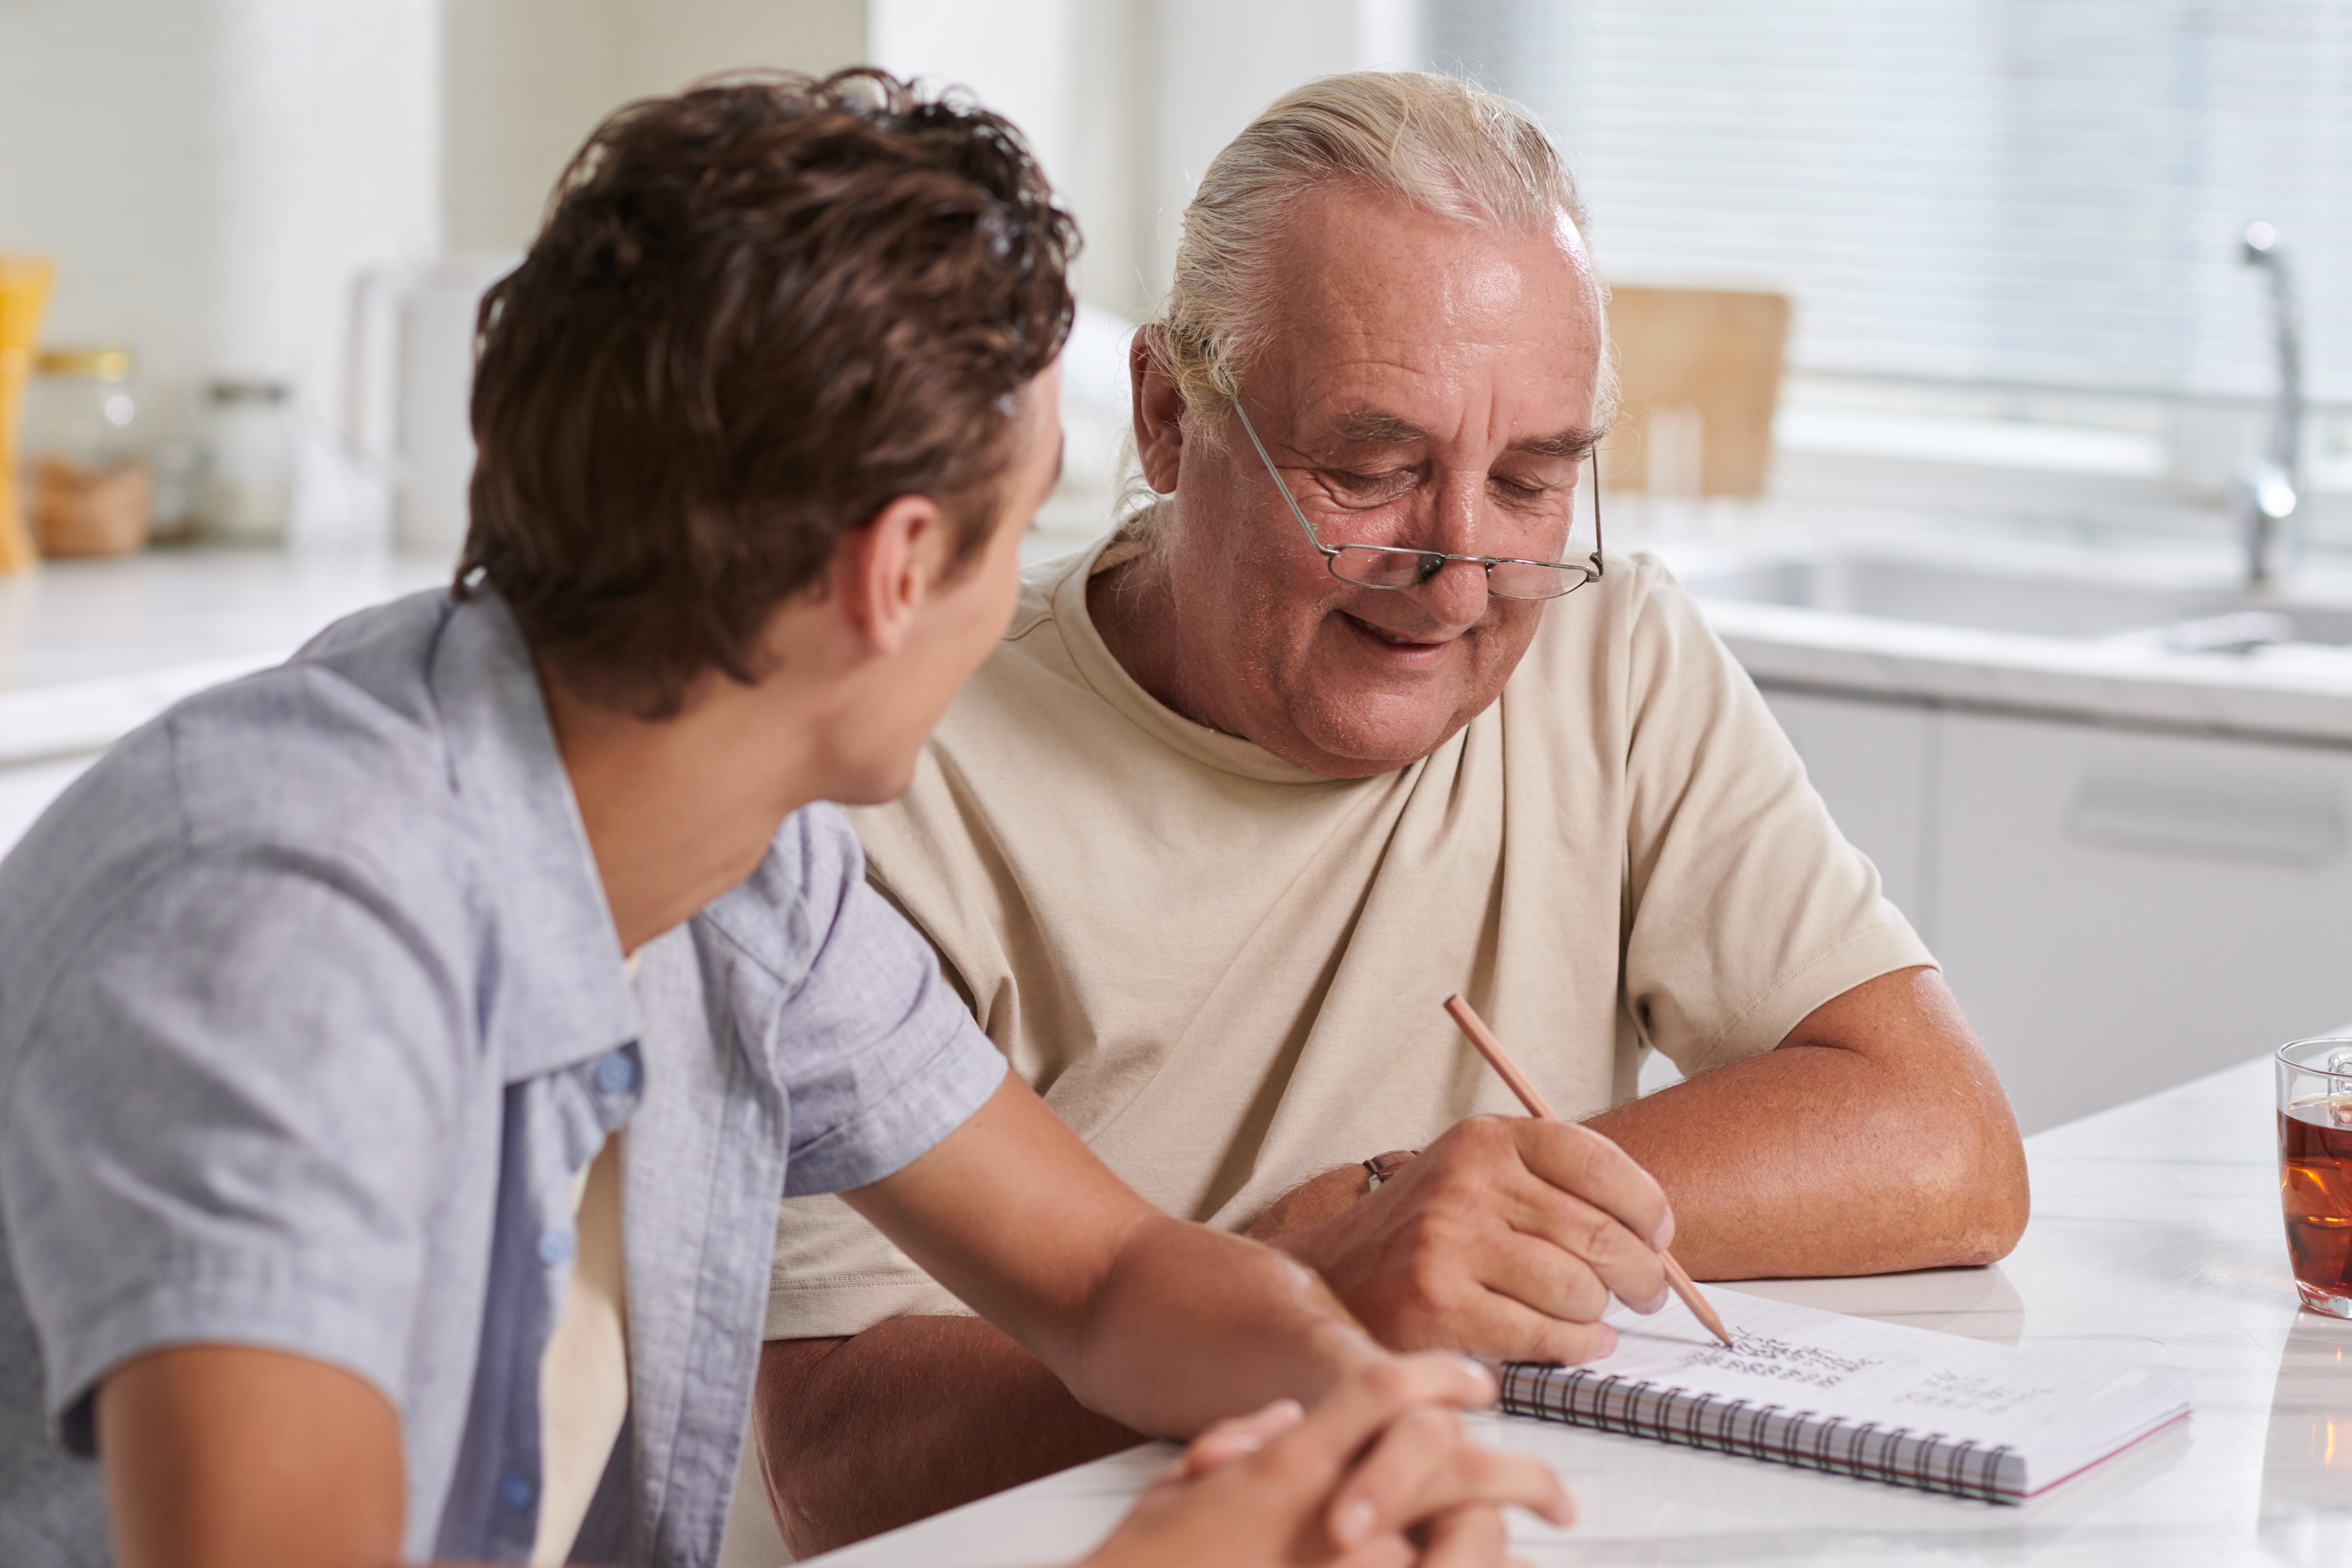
[1532,1097]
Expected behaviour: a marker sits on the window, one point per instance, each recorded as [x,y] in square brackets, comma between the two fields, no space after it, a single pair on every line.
[2045,190]
[2045,196]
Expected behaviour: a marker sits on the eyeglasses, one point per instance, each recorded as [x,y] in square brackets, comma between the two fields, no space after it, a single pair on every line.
[1381,567]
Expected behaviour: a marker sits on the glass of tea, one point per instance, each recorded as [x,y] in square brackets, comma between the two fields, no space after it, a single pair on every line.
[2315,1121]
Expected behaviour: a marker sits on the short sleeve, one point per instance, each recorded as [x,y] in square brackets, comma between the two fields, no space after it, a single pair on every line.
[833,1275]
[224,1126]
[876,1055]
[1747,907]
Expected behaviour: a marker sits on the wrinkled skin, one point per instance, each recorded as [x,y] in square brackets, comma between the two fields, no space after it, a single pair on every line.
[1430,387]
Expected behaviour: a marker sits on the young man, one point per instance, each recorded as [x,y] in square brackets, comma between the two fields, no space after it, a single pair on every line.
[402,1051]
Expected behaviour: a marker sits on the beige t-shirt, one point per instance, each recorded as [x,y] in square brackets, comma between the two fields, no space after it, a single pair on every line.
[584,1377]
[1224,972]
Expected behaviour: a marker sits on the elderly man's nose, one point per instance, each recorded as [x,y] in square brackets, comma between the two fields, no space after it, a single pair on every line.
[1457,518]
[1456,595]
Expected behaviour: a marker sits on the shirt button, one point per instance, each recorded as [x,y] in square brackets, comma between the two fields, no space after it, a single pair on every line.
[514,1493]
[554,1248]
[616,1072]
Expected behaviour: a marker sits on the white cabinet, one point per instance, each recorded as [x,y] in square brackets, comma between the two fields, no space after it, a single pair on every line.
[2116,911]
[1874,764]
[2120,912]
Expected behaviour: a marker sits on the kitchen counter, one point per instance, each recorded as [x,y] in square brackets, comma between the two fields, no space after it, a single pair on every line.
[2156,1235]
[2299,691]
[90,650]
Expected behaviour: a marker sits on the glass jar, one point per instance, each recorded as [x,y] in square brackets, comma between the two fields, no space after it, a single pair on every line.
[88,486]
[247,487]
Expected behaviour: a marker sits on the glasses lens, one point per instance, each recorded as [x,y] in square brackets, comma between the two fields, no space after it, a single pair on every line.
[1528,580]
[1374,567]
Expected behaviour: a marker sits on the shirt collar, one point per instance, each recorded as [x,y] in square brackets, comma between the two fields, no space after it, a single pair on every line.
[555,988]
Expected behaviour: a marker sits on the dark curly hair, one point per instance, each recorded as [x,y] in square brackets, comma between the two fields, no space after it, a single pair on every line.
[755,314]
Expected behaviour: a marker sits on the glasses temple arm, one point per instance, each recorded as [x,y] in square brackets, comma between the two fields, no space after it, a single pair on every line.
[1276,475]
[1597,566]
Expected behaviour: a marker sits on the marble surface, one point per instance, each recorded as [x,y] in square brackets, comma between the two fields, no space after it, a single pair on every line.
[2156,1235]
[2297,692]
[2302,690]
[90,650]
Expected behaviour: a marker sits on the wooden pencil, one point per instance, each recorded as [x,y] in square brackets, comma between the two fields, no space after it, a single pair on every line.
[1532,1097]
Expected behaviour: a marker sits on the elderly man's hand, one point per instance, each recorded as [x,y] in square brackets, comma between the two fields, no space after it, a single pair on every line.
[1506,1238]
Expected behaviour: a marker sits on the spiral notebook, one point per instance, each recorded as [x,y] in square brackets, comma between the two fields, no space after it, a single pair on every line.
[1857,1397]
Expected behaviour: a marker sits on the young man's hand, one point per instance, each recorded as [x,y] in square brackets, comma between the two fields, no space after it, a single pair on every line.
[1381,1473]
[1170,1328]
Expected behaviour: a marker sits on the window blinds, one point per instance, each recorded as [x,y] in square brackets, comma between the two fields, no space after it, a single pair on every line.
[2044,192]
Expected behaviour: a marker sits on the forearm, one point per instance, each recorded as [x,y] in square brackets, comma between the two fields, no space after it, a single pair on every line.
[1191,1325]
[1162,1325]
[1875,1139]
[218,1455]
[947,1409]
[1816,1160]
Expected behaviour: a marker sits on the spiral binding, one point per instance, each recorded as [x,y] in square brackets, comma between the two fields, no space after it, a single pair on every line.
[1931,1461]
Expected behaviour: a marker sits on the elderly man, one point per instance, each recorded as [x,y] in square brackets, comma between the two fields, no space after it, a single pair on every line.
[1307,745]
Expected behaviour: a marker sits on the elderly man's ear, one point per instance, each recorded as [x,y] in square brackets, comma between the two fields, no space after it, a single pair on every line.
[1159,413]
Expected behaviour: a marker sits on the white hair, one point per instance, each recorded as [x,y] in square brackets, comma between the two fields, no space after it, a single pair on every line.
[1440,143]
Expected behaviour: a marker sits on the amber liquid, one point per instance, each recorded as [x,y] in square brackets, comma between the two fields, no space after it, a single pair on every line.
[2315,1187]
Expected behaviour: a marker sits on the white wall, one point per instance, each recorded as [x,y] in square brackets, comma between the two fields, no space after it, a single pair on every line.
[1218,62]
[526,81]
[1125,101]
[1070,74]
[209,175]
[214,176]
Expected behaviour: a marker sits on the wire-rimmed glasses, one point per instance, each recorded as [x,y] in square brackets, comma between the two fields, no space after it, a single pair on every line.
[1387,566]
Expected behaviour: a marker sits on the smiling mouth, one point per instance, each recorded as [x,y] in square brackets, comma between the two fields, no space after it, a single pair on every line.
[1390,638]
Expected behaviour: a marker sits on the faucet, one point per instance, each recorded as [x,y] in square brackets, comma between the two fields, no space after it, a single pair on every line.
[2268,496]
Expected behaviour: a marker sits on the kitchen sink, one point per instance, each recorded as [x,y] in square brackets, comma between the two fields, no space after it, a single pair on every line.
[1994,599]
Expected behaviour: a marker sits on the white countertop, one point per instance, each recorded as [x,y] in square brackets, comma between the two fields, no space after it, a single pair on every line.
[2156,1235]
[92,650]
[2292,690]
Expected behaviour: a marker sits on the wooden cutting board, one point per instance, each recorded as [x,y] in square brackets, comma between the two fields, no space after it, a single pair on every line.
[1696,368]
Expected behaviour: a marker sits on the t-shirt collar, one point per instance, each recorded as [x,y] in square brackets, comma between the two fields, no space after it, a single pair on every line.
[556,989]
[1111,682]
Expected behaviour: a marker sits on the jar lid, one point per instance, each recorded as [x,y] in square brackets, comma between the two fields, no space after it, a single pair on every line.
[248,392]
[103,362]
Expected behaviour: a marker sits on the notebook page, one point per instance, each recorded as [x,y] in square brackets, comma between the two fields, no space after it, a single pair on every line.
[2059,1410]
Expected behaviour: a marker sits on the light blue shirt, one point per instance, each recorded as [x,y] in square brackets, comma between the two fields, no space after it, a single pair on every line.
[310,1007]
